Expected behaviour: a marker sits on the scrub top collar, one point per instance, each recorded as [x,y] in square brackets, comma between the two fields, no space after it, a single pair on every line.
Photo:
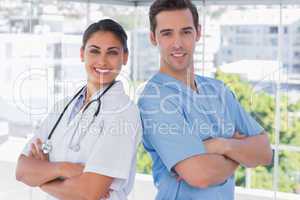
[79,101]
[173,83]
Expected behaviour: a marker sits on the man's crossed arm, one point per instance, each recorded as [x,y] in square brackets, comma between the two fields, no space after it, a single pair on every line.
[223,157]
[247,151]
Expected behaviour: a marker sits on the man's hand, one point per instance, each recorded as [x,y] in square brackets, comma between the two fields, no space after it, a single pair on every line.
[220,145]
[215,146]
[239,136]
[37,152]
[249,151]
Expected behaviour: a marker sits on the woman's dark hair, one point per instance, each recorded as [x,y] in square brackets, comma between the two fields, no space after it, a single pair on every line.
[106,25]
[169,5]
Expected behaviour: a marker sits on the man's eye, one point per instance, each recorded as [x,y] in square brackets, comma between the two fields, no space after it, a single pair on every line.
[166,33]
[187,32]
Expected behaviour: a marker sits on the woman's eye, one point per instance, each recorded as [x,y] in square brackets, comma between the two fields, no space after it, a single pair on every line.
[113,53]
[94,51]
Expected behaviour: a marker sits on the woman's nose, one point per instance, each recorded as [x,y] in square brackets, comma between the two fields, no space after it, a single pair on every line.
[101,60]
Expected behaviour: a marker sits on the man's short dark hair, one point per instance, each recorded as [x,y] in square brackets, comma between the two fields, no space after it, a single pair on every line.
[169,5]
[106,25]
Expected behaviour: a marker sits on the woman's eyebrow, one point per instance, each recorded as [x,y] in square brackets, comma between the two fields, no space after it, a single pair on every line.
[110,48]
[114,48]
[94,46]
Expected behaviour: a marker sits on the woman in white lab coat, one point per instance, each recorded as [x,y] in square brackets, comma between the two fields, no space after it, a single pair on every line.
[86,147]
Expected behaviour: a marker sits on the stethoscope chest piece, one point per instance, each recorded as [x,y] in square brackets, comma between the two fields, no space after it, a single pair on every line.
[47,147]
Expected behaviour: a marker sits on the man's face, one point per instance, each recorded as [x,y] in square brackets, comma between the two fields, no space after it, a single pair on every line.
[176,36]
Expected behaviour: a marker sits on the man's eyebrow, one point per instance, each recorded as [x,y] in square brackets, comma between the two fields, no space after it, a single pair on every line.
[169,30]
[165,30]
[187,28]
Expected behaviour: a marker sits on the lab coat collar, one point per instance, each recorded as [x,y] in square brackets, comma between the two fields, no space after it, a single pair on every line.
[101,90]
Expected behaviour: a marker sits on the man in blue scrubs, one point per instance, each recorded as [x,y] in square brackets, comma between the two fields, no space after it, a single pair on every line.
[195,130]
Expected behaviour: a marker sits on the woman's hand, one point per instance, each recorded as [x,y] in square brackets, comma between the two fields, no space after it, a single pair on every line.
[68,170]
[37,152]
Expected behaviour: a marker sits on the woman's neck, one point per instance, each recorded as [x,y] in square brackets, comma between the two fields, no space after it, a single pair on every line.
[92,89]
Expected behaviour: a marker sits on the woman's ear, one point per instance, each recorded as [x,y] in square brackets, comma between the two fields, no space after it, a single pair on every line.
[82,54]
[198,33]
[125,58]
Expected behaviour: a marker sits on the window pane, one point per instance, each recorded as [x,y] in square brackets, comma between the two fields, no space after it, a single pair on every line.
[290,120]
[289,174]
[18,80]
[245,58]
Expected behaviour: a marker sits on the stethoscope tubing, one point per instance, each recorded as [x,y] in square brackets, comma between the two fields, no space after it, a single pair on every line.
[85,108]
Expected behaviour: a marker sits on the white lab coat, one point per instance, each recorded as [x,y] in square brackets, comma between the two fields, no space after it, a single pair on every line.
[110,144]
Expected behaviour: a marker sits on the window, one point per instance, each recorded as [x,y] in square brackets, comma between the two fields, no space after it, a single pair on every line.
[274,41]
[243,41]
[257,66]
[297,55]
[273,29]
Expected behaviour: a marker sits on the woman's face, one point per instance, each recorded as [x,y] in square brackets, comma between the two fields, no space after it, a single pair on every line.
[103,57]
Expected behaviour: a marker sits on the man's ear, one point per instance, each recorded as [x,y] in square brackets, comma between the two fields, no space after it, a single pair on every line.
[82,54]
[198,32]
[125,58]
[153,38]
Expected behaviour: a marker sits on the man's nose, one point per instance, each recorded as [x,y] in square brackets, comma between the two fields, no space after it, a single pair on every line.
[177,43]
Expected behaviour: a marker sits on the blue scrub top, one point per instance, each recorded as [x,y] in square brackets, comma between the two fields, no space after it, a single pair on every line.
[176,119]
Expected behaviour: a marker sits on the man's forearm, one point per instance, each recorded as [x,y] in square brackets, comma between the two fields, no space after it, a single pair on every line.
[35,172]
[250,151]
[219,169]
[205,170]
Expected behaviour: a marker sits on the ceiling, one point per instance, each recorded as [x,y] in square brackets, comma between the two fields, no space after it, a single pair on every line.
[197,2]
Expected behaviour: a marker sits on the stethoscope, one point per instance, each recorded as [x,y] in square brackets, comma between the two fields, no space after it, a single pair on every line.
[47,145]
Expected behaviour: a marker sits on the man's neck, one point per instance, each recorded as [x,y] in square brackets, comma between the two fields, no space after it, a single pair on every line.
[187,76]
